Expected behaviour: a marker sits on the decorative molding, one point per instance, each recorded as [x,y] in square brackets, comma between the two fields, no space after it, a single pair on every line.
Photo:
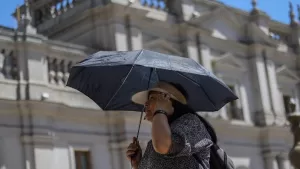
[225,45]
[259,36]
[219,13]
[285,75]
[39,139]
[230,62]
[162,44]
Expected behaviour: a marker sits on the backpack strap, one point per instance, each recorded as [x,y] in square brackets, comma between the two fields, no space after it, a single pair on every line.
[225,161]
[199,160]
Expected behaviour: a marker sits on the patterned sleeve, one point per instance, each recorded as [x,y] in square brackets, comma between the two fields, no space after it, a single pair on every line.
[189,136]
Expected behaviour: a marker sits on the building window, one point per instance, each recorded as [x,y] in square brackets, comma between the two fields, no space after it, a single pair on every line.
[234,109]
[83,160]
[289,104]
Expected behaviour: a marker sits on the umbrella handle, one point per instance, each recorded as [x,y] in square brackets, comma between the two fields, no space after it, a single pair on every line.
[140,122]
[141,117]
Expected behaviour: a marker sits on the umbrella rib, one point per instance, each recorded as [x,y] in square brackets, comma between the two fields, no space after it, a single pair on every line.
[124,79]
[197,85]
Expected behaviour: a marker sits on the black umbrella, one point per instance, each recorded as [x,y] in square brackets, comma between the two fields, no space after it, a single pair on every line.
[110,78]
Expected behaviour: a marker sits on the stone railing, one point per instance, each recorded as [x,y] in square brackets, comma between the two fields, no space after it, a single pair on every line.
[282,39]
[53,9]
[61,60]
[277,36]
[59,70]
[49,14]
[8,64]
[61,7]
[156,4]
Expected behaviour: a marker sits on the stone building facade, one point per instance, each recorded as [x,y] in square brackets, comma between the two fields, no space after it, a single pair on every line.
[45,125]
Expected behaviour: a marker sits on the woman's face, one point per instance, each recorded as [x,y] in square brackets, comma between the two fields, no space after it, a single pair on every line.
[151,104]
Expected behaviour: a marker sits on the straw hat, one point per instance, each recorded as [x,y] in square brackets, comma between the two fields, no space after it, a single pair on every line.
[142,97]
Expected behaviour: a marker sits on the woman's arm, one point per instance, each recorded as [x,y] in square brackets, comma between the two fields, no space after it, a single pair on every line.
[161,134]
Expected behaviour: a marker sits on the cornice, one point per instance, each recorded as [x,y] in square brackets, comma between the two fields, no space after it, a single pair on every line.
[39,139]
[101,12]
[55,110]
[273,24]
[272,53]
[49,47]
[224,45]
[280,27]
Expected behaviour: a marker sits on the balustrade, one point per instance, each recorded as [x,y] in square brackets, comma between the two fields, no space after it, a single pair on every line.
[59,70]
[61,7]
[53,9]
[157,4]
[8,65]
[277,36]
[281,39]
[58,7]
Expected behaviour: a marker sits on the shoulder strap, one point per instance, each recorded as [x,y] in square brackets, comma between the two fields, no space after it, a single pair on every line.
[199,160]
[209,129]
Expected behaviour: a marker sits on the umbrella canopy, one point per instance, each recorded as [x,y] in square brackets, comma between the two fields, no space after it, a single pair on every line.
[110,78]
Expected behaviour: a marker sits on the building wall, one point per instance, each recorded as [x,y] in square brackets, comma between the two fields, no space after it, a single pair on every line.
[43,122]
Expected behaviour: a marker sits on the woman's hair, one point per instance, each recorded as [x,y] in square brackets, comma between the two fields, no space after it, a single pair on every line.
[181,109]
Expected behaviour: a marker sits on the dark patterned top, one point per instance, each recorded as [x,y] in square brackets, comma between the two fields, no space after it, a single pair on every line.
[189,136]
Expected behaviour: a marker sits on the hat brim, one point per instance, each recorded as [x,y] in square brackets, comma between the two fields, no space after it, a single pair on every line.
[142,97]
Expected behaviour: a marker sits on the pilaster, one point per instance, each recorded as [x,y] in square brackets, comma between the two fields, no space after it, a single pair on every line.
[297,94]
[192,50]
[136,38]
[2,64]
[116,137]
[2,152]
[283,161]
[119,36]
[245,101]
[270,160]
[264,113]
[206,58]
[26,136]
[276,96]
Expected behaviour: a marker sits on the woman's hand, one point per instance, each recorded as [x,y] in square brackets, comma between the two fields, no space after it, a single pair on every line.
[134,153]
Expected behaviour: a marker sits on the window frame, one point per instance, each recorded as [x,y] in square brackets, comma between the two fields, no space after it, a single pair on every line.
[77,160]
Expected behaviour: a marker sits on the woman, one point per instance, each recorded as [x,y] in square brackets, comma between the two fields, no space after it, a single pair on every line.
[178,135]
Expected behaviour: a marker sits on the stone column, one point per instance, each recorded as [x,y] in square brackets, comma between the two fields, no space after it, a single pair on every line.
[206,58]
[2,160]
[275,94]
[192,50]
[136,38]
[294,154]
[2,57]
[270,160]
[283,161]
[26,139]
[120,37]
[260,89]
[297,94]
[244,99]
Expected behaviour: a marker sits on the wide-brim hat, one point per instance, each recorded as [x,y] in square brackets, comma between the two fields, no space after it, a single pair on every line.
[163,87]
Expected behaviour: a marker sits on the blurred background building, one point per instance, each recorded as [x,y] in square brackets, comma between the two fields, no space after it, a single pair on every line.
[45,125]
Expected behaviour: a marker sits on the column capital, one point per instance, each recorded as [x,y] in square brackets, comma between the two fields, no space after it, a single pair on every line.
[270,154]
[283,155]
